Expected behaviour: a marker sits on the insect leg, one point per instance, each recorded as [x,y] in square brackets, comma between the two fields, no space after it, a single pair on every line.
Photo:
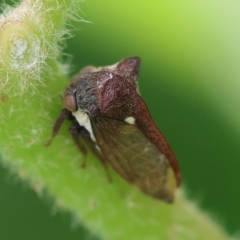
[83,132]
[75,130]
[65,114]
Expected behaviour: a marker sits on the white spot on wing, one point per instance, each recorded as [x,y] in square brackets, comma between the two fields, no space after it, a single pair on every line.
[161,158]
[130,120]
[83,120]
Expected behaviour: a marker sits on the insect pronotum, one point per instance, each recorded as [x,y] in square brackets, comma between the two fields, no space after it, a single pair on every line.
[109,116]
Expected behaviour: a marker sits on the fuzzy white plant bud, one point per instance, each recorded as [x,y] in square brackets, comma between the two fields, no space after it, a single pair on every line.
[30,35]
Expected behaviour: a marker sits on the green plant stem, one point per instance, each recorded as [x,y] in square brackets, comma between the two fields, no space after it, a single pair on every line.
[30,87]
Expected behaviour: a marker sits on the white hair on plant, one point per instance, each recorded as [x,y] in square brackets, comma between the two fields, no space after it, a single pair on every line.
[27,39]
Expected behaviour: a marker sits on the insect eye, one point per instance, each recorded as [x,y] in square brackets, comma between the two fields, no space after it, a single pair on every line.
[69,103]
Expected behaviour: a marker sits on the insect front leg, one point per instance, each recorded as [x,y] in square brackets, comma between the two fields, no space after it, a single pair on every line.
[65,114]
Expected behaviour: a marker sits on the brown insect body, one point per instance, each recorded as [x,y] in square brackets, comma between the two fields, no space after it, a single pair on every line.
[106,103]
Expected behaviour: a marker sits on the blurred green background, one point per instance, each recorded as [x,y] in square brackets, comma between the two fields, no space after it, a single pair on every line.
[190,79]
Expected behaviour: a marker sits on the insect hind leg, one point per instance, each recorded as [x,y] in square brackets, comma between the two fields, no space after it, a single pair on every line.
[78,131]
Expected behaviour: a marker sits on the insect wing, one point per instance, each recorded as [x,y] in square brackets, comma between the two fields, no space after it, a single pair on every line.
[134,157]
[120,100]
